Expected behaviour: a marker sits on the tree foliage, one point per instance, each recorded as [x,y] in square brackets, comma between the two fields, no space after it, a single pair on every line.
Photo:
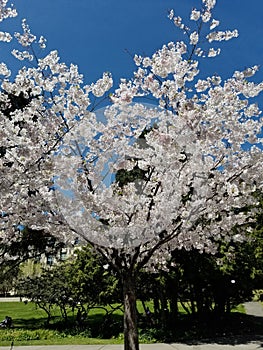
[80,283]
[25,244]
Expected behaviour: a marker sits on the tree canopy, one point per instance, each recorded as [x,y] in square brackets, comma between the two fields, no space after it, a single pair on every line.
[201,163]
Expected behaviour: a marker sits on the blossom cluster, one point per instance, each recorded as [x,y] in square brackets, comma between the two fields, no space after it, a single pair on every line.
[6,12]
[25,39]
[191,160]
[203,17]
[38,107]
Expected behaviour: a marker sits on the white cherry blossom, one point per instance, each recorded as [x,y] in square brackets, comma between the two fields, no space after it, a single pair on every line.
[195,15]
[194,38]
[192,159]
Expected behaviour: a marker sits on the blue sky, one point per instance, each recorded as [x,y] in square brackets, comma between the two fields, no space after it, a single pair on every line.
[95,34]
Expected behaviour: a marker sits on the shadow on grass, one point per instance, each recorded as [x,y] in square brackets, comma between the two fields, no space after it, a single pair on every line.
[31,323]
[233,329]
[96,325]
[106,327]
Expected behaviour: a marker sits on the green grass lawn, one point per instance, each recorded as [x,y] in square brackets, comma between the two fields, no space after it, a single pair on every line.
[30,329]
[23,315]
[29,316]
[29,326]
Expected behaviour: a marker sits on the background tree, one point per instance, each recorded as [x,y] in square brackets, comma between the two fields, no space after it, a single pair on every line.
[25,244]
[80,283]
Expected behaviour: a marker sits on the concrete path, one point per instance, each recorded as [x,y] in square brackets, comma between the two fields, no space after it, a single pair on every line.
[254,308]
[174,346]
[8,299]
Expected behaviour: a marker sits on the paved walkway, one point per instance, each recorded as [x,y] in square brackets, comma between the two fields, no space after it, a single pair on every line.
[174,346]
[8,299]
[252,308]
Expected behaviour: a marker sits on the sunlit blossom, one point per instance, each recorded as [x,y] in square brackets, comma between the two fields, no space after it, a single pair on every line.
[195,15]
[186,150]
[194,37]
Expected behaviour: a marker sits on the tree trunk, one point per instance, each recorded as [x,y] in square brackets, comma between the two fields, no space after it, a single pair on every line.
[131,341]
[164,309]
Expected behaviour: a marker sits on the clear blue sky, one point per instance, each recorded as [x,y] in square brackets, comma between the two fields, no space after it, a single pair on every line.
[94,34]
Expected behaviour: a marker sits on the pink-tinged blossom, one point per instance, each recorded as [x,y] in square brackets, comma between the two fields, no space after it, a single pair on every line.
[26,38]
[177,21]
[4,70]
[206,16]
[202,85]
[6,12]
[171,14]
[195,15]
[209,4]
[215,23]
[138,60]
[42,42]
[249,72]
[213,53]
[222,35]
[194,37]
[252,110]
[187,148]
[102,85]
[6,37]
[22,55]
